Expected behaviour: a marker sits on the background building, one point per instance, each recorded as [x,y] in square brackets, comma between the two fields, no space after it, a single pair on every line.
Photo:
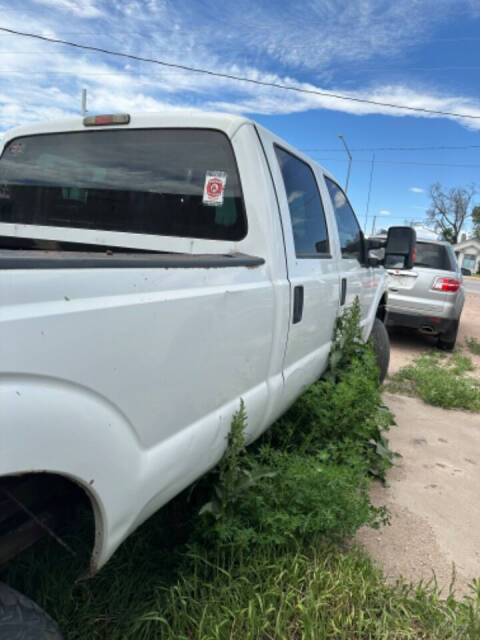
[468,254]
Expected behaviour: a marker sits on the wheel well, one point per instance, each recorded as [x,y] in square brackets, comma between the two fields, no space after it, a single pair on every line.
[381,309]
[36,505]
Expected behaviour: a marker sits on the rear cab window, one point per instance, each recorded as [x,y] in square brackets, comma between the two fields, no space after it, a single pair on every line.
[171,182]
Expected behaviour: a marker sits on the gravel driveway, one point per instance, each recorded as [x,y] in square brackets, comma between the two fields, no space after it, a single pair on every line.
[433,495]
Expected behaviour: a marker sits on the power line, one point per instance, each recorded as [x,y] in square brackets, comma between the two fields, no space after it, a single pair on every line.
[229,76]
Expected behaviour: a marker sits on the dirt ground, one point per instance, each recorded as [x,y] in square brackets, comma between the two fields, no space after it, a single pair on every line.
[434,492]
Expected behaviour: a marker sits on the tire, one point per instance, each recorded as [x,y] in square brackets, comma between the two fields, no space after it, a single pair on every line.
[381,348]
[22,619]
[448,339]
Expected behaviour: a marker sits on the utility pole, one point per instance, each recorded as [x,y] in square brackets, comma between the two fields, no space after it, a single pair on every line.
[84,102]
[373,225]
[349,160]
[369,192]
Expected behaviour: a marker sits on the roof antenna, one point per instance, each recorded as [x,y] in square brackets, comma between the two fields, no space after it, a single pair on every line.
[84,102]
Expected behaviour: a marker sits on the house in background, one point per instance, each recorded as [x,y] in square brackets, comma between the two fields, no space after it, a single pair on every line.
[468,254]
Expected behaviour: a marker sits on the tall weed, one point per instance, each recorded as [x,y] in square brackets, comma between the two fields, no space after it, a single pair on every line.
[304,497]
[342,415]
[308,475]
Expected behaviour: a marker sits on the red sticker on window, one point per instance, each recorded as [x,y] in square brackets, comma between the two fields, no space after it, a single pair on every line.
[214,188]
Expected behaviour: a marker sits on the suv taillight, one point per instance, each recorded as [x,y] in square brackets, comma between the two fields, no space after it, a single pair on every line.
[446,284]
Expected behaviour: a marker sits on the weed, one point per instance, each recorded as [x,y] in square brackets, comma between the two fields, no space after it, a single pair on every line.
[235,472]
[343,414]
[307,476]
[474,345]
[305,496]
[347,343]
[439,380]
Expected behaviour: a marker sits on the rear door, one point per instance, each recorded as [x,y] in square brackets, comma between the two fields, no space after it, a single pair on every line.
[312,269]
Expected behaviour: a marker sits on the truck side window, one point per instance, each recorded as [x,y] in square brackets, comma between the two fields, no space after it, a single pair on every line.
[305,206]
[349,231]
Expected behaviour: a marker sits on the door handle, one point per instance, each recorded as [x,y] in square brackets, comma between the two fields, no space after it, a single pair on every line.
[343,292]
[297,304]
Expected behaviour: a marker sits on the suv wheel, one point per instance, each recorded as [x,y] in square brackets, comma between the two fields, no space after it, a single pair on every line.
[447,340]
[22,619]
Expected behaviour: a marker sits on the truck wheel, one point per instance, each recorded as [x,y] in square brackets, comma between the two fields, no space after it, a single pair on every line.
[381,348]
[448,339]
[22,619]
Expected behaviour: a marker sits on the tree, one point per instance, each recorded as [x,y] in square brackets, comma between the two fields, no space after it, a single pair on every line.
[476,222]
[449,209]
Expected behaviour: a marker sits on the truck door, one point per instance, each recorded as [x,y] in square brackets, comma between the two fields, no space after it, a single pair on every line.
[312,269]
[356,279]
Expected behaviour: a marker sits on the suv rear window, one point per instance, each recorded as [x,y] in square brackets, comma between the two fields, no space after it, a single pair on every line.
[433,256]
[135,180]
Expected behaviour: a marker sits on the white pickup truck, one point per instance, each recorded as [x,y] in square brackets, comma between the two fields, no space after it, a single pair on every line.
[154,270]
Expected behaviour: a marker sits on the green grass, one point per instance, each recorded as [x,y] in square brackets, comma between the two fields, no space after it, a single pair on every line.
[153,589]
[473,345]
[316,592]
[439,380]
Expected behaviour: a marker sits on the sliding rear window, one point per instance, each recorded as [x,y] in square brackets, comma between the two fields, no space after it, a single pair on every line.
[136,180]
[433,256]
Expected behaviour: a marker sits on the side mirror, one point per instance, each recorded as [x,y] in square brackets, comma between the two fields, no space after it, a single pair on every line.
[400,249]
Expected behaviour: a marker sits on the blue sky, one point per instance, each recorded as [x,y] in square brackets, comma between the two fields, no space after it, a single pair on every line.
[413,52]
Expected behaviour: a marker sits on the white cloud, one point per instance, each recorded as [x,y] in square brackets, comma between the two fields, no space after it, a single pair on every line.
[320,33]
[40,80]
[81,8]
[417,190]
[384,212]
[271,101]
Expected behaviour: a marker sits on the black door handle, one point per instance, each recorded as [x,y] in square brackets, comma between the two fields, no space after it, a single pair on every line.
[343,292]
[297,304]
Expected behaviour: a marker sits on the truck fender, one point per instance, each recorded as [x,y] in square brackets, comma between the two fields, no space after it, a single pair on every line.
[375,310]
[53,426]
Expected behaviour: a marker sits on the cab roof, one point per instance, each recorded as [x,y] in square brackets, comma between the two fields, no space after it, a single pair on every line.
[227,123]
[180,118]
